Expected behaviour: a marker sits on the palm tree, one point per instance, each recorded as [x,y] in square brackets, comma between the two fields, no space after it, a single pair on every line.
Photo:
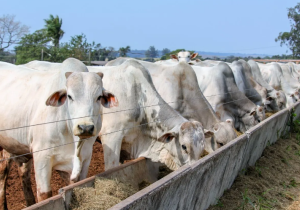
[53,28]
[123,51]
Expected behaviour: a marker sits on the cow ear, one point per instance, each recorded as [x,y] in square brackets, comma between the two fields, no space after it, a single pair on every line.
[67,74]
[167,137]
[194,55]
[174,57]
[57,99]
[208,133]
[108,99]
[100,74]
[230,122]
[218,114]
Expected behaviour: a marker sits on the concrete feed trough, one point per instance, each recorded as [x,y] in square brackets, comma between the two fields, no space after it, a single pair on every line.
[190,187]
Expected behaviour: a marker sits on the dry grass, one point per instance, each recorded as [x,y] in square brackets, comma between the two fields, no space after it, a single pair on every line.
[105,194]
[238,133]
[269,114]
[273,183]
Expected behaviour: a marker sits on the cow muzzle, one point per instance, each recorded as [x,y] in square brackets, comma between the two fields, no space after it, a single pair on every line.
[84,130]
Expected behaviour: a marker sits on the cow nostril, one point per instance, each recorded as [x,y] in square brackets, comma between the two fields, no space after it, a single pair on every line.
[90,129]
[183,147]
[81,127]
[86,129]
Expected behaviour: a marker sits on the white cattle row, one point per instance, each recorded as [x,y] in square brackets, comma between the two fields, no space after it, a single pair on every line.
[169,111]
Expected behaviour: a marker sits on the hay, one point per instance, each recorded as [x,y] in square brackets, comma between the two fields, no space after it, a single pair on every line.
[105,194]
[238,133]
[143,185]
[163,171]
[269,114]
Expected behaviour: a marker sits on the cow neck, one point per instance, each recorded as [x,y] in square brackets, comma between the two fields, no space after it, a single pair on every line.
[195,100]
[237,98]
[155,108]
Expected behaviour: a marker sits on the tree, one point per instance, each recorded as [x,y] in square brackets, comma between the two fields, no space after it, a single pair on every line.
[292,38]
[165,51]
[30,47]
[102,53]
[151,52]
[53,28]
[7,56]
[123,51]
[80,47]
[11,31]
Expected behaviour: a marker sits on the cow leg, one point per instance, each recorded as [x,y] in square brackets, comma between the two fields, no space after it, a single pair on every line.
[43,173]
[85,168]
[111,148]
[4,170]
[24,172]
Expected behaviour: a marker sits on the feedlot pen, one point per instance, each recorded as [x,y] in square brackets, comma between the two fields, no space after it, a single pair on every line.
[190,187]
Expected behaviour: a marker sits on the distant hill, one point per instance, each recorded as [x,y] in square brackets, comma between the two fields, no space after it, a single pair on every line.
[141,54]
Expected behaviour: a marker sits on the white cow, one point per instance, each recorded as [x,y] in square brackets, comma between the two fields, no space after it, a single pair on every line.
[280,98]
[178,85]
[184,56]
[246,84]
[53,114]
[43,66]
[143,124]
[294,71]
[289,76]
[273,75]
[219,87]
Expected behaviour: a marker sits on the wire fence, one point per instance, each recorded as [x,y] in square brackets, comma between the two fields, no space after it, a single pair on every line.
[157,120]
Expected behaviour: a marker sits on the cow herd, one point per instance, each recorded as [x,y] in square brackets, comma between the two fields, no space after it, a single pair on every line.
[170,111]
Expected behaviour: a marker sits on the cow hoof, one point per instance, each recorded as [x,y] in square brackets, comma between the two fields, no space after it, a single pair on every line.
[74,178]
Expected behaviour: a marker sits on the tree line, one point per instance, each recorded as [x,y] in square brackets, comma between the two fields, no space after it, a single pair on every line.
[44,44]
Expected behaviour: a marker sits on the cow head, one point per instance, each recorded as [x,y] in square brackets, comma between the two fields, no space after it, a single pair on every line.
[84,95]
[183,144]
[270,104]
[291,99]
[281,100]
[224,132]
[246,120]
[184,56]
[260,114]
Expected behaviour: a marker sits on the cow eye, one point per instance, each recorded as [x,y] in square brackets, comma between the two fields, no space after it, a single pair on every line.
[168,139]
[99,98]
[183,147]
[70,98]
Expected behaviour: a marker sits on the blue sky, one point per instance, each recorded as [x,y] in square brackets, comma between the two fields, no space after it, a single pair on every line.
[214,26]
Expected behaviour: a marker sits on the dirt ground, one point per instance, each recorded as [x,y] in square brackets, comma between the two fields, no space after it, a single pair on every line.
[273,183]
[14,193]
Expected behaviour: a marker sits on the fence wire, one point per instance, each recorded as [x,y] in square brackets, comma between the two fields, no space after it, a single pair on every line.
[138,107]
